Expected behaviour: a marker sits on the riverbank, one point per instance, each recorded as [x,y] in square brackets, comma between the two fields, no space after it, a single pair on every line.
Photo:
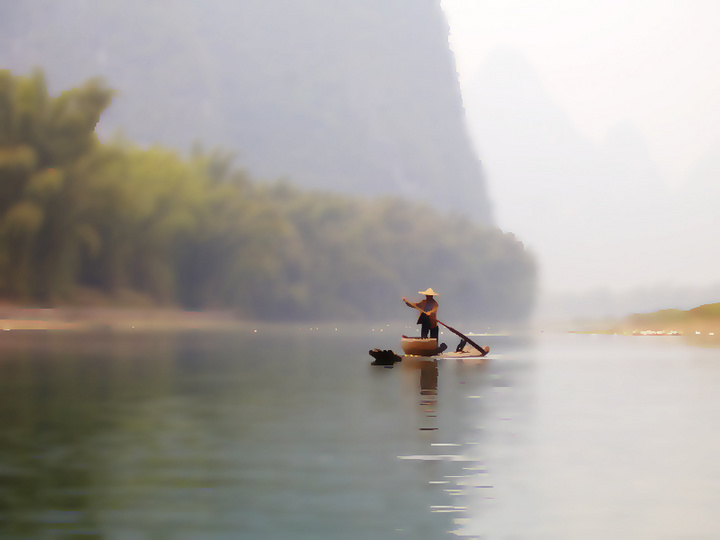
[114,319]
[700,321]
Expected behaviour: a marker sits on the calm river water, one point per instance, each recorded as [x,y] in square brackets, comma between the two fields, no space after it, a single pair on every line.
[289,432]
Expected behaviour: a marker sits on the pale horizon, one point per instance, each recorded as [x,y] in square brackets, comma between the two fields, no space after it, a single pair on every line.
[651,64]
[630,91]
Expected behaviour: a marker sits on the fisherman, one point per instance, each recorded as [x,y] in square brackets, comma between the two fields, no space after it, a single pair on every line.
[428,318]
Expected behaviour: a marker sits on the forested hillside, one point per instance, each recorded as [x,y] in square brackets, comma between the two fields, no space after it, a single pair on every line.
[358,96]
[85,221]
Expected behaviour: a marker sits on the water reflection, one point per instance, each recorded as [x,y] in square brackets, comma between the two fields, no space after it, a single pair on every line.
[428,385]
[267,435]
[444,392]
[53,408]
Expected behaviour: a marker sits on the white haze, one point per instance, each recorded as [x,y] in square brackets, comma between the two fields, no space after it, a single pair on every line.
[598,125]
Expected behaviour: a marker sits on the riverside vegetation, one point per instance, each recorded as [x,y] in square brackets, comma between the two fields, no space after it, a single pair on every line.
[699,322]
[703,319]
[112,223]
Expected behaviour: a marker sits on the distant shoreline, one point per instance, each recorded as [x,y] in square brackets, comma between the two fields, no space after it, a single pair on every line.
[116,319]
[703,320]
[697,322]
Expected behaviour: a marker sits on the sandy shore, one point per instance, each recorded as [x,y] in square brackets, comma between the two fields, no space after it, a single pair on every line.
[88,319]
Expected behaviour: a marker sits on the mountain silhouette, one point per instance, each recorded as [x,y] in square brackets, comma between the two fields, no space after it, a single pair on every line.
[586,209]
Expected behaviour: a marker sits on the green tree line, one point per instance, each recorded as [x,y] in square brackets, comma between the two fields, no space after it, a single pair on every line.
[113,222]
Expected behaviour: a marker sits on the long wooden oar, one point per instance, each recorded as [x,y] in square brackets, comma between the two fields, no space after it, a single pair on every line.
[483,352]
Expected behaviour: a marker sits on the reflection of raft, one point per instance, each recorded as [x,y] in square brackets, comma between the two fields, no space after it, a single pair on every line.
[418,346]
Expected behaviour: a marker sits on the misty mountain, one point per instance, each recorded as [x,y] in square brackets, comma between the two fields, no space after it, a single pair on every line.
[697,222]
[699,195]
[586,209]
[359,97]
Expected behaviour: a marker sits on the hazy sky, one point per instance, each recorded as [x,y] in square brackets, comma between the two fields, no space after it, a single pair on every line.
[653,63]
[647,70]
